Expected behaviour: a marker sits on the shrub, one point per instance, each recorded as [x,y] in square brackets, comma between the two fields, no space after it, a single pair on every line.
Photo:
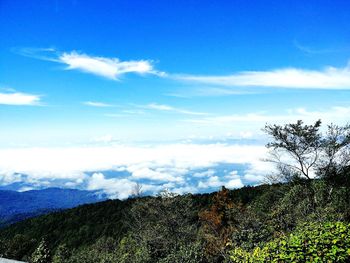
[311,242]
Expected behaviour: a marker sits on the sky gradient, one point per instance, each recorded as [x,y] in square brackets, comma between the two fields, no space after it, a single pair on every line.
[156,75]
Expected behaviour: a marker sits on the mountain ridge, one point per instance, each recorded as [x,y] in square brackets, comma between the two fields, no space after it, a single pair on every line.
[16,206]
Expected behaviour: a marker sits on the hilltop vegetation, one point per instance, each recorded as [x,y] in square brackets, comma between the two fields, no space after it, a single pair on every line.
[303,217]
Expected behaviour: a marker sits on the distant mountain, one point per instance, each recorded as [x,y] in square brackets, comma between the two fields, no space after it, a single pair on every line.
[16,206]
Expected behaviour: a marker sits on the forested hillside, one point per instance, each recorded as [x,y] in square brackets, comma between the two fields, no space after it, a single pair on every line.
[303,218]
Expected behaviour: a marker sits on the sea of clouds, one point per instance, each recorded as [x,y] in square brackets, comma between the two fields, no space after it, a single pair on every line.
[115,170]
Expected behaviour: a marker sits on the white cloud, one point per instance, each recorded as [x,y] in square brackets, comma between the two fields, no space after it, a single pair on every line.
[150,174]
[162,107]
[253,177]
[233,175]
[206,173]
[111,68]
[116,188]
[8,177]
[211,182]
[26,188]
[328,78]
[234,183]
[184,190]
[216,182]
[97,104]
[122,188]
[18,98]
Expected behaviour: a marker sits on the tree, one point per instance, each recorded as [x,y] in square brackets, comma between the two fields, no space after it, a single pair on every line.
[41,254]
[137,190]
[296,148]
[163,224]
[61,255]
[218,222]
[18,247]
[303,152]
[3,248]
[129,251]
[335,158]
[192,253]
[102,251]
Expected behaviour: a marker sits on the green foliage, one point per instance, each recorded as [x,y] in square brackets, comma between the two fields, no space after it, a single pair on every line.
[100,252]
[19,247]
[186,254]
[108,250]
[163,224]
[61,255]
[76,227]
[41,254]
[311,242]
[129,251]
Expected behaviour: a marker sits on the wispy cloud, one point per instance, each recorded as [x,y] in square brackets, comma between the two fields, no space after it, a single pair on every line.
[190,92]
[18,98]
[97,104]
[116,115]
[162,107]
[134,112]
[335,114]
[314,51]
[113,68]
[328,78]
[107,67]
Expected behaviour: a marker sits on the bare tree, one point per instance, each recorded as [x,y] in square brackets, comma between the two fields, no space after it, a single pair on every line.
[137,190]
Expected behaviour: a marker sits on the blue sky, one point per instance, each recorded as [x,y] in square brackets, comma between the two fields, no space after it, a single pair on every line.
[91,73]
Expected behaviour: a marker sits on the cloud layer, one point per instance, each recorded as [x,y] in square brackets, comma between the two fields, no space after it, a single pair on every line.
[179,167]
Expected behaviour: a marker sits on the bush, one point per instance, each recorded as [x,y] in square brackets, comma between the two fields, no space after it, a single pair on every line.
[312,242]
